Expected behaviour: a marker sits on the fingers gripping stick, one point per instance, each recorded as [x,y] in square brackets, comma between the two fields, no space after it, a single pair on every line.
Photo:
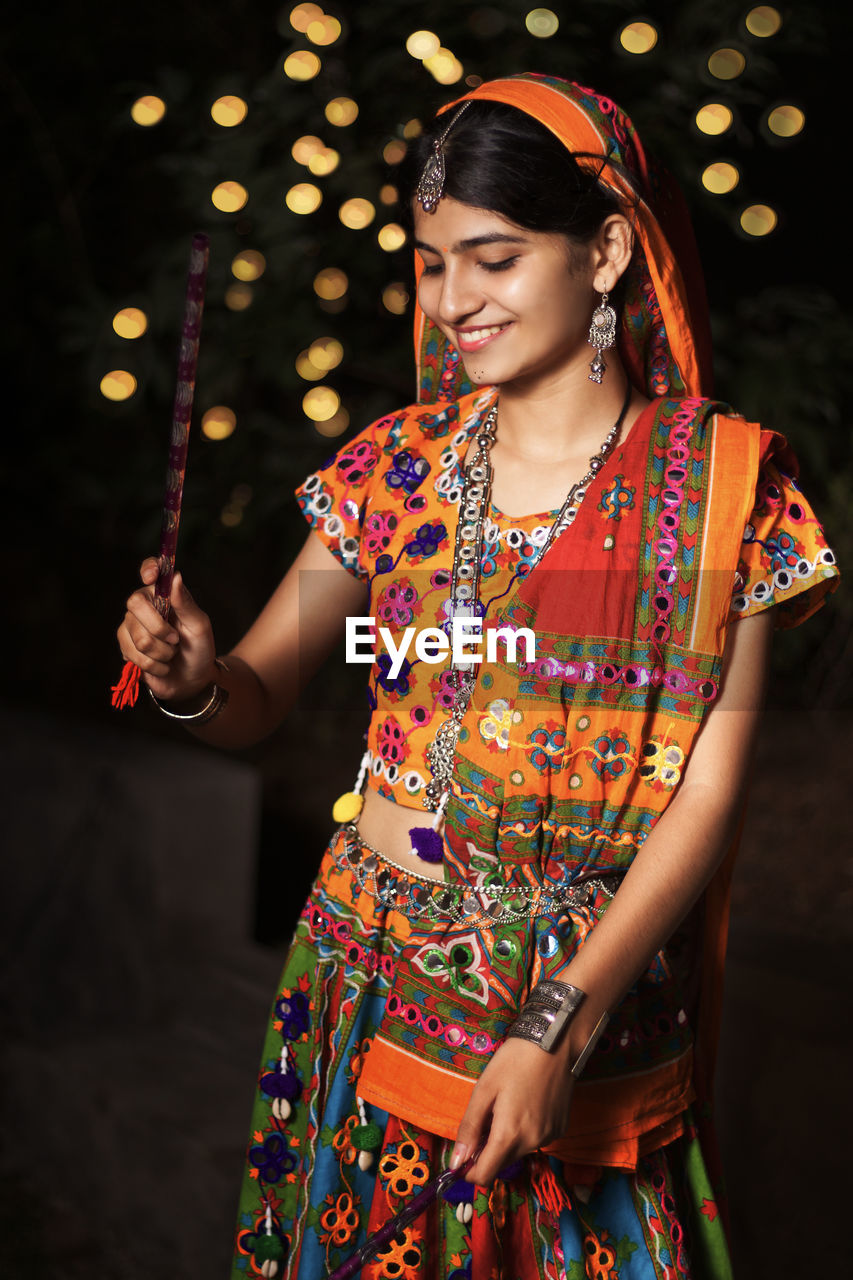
[126,692]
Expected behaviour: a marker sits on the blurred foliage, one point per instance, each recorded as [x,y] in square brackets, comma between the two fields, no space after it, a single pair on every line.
[100,216]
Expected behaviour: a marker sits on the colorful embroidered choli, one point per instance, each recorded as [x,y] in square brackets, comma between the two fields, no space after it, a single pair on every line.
[387,507]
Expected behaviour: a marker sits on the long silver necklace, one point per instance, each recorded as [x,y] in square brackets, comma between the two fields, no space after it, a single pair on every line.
[465,603]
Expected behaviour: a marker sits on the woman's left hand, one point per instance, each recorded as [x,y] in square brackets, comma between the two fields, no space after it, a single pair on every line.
[520,1103]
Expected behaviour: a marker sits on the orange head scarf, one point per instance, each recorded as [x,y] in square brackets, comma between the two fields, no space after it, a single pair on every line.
[663,335]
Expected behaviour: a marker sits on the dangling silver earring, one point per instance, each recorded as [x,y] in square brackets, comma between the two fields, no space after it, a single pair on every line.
[602,334]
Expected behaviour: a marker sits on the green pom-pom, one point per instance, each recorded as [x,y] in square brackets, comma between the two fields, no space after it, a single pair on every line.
[268,1249]
[366,1137]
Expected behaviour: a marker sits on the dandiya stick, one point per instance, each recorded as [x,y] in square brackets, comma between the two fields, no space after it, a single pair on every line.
[407,1215]
[126,692]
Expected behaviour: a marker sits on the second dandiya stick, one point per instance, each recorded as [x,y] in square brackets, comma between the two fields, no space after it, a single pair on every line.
[126,692]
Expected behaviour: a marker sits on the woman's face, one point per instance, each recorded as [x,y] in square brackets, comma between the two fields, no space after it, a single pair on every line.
[515,303]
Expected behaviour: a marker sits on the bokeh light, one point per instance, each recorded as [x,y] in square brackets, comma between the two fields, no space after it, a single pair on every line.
[720,177]
[759,219]
[330,283]
[356,213]
[305,147]
[391,237]
[444,67]
[542,23]
[321,403]
[324,162]
[229,197]
[334,426]
[302,65]
[726,64]
[394,151]
[307,369]
[412,129]
[130,322]
[423,44]
[395,298]
[714,118]
[303,15]
[303,198]
[238,297]
[388,194]
[219,422]
[248,265]
[326,353]
[229,111]
[763,21]
[638,37]
[322,31]
[118,384]
[786,121]
[148,110]
[341,112]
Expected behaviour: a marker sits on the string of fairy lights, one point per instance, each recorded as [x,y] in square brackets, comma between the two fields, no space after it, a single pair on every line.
[321,403]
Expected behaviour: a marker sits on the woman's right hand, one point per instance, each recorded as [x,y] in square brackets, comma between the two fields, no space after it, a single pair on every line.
[176,655]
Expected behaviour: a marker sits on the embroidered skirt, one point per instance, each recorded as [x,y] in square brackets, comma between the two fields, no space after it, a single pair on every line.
[325,1170]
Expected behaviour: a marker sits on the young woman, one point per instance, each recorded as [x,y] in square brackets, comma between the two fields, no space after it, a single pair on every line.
[512,950]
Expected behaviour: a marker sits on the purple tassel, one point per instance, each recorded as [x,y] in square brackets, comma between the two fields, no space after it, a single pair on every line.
[427,844]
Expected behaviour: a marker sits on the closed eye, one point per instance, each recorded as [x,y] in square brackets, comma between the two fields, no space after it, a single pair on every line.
[503,265]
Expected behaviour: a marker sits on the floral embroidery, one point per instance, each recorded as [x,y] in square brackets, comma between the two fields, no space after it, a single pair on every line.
[398,684]
[494,724]
[404,1169]
[618,497]
[407,471]
[272,1158]
[379,529]
[662,762]
[392,741]
[426,541]
[396,603]
[611,758]
[339,1221]
[546,747]
[358,462]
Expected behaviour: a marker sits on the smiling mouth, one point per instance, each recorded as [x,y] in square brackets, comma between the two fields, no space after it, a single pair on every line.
[475,339]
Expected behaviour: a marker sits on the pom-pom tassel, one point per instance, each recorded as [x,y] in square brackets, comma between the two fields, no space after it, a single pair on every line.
[427,843]
[348,806]
[126,691]
[366,1137]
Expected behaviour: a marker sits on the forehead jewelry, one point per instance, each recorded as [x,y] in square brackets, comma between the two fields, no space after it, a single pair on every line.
[430,188]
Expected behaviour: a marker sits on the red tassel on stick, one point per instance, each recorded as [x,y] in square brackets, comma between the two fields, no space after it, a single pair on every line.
[126,692]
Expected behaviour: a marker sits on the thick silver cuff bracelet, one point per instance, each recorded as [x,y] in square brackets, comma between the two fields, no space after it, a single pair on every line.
[547,1012]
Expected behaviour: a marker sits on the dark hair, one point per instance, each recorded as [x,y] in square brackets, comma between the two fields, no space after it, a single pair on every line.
[501,159]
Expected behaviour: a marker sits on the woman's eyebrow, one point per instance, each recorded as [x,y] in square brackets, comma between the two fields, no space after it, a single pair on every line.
[462,246]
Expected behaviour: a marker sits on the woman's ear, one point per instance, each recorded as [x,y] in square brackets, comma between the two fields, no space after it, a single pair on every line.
[612,249]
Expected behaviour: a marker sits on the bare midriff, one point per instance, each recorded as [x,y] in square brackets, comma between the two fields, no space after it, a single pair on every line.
[386,826]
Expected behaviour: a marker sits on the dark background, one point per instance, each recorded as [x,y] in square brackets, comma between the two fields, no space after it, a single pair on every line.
[150,883]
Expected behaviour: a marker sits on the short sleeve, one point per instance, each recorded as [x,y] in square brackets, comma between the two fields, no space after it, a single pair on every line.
[785,560]
[334,499]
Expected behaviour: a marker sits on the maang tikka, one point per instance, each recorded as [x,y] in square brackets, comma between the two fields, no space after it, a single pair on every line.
[430,187]
[602,334]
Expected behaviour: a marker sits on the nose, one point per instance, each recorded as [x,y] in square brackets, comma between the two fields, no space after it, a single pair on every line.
[461,294]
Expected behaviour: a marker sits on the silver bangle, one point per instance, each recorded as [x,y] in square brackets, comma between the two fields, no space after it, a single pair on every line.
[585,1053]
[547,1012]
[216,701]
